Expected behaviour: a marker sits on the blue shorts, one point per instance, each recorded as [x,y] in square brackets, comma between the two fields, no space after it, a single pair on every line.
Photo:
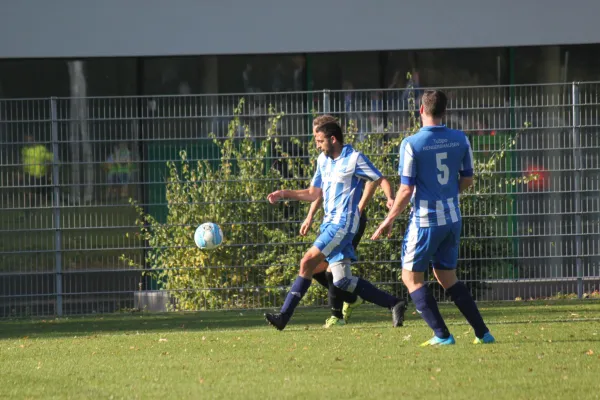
[437,244]
[335,241]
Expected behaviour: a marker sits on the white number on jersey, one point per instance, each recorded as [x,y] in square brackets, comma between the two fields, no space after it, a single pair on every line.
[444,174]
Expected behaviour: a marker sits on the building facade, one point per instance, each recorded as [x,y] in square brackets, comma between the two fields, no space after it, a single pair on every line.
[157,47]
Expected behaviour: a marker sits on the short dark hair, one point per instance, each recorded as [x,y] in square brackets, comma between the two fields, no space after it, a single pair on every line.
[434,103]
[324,119]
[330,129]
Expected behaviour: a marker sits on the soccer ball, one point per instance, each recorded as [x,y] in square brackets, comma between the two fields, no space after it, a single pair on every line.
[208,236]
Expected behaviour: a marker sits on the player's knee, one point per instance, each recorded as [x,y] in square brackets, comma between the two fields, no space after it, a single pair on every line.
[346,284]
[445,276]
[307,265]
[406,279]
[342,283]
[342,275]
[412,280]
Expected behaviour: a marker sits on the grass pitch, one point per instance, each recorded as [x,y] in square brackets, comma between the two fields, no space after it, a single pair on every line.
[543,350]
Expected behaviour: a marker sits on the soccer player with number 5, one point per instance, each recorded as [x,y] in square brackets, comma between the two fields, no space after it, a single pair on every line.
[436,164]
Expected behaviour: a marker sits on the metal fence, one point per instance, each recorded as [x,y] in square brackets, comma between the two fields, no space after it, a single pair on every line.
[65,227]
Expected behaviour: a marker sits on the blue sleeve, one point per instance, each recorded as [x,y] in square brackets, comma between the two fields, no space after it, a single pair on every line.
[365,169]
[407,168]
[466,166]
[316,180]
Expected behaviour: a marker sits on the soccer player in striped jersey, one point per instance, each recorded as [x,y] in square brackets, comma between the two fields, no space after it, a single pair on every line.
[341,303]
[436,164]
[340,179]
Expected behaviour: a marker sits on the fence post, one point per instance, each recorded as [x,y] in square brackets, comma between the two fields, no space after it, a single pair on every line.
[56,208]
[326,107]
[577,164]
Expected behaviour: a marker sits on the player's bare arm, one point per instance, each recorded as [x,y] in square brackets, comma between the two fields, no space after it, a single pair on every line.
[314,206]
[370,188]
[386,186]
[464,183]
[403,196]
[310,194]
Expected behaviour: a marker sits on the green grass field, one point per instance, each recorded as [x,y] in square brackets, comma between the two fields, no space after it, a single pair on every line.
[543,350]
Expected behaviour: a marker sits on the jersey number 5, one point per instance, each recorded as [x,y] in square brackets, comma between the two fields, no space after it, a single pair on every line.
[444,174]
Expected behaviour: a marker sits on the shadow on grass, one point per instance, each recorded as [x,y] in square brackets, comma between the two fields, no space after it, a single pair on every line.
[123,323]
[140,322]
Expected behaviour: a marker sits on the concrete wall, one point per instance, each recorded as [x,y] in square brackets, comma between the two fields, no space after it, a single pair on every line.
[91,28]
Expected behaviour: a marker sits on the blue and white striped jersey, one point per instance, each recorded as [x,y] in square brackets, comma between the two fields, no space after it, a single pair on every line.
[342,181]
[432,160]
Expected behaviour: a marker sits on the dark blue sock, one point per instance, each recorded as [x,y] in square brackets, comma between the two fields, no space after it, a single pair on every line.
[428,308]
[370,293]
[321,277]
[295,294]
[465,303]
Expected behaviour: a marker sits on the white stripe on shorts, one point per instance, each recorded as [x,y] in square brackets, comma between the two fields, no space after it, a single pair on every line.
[439,213]
[423,213]
[453,214]
[411,246]
[340,234]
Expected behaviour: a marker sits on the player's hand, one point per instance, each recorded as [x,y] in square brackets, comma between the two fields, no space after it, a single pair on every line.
[390,203]
[305,226]
[275,196]
[385,228]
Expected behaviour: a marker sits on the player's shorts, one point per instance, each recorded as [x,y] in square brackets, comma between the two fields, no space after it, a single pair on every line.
[437,244]
[335,242]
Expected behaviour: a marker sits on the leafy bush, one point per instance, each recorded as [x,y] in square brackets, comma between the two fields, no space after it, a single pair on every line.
[233,195]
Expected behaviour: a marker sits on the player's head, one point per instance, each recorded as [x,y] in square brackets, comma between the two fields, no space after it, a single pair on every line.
[322,120]
[433,104]
[328,134]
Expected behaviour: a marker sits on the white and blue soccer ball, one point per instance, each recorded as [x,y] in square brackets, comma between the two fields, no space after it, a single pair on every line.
[208,236]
